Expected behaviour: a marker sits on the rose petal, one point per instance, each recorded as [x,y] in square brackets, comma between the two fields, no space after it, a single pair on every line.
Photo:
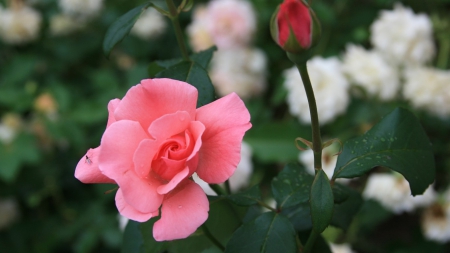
[112,105]
[87,170]
[182,212]
[143,156]
[154,98]
[169,125]
[116,162]
[197,129]
[226,120]
[164,189]
[168,168]
[128,211]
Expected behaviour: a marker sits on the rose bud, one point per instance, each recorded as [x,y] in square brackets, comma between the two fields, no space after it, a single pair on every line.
[294,26]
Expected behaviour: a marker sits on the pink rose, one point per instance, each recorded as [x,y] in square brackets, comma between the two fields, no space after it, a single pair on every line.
[154,141]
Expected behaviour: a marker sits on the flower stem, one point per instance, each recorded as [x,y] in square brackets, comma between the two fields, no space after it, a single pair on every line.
[310,243]
[227,187]
[178,32]
[316,139]
[212,238]
[300,62]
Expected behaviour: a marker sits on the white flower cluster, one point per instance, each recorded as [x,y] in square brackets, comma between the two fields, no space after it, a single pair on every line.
[370,71]
[19,24]
[403,36]
[240,70]
[82,8]
[236,66]
[330,89]
[436,219]
[150,24]
[429,89]
[225,23]
[241,176]
[393,192]
[341,248]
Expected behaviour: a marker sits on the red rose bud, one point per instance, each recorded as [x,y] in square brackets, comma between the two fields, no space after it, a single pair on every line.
[294,26]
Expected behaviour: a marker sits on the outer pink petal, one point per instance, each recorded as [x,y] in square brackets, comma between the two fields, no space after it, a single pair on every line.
[87,170]
[169,125]
[164,189]
[154,98]
[112,105]
[128,211]
[119,143]
[182,212]
[143,156]
[226,120]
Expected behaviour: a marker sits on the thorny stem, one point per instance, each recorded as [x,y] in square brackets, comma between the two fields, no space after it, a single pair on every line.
[212,238]
[178,32]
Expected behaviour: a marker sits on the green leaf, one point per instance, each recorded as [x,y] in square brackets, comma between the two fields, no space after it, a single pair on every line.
[132,238]
[321,202]
[291,186]
[340,193]
[398,142]
[153,69]
[274,141]
[344,212]
[270,232]
[194,74]
[121,28]
[300,216]
[246,198]
[204,57]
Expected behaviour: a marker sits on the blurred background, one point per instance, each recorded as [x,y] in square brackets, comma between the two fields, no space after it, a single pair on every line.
[374,55]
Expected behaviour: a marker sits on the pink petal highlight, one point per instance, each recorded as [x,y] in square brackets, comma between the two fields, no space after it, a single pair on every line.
[169,125]
[128,211]
[143,156]
[119,143]
[153,98]
[168,168]
[226,120]
[166,188]
[182,212]
[112,105]
[87,170]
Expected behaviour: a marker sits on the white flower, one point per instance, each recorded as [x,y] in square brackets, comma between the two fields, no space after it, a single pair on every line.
[225,23]
[241,176]
[330,90]
[403,36]
[428,89]
[436,223]
[123,222]
[62,24]
[81,8]
[240,70]
[393,192]
[197,31]
[341,248]
[150,24]
[7,134]
[9,212]
[369,70]
[19,25]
